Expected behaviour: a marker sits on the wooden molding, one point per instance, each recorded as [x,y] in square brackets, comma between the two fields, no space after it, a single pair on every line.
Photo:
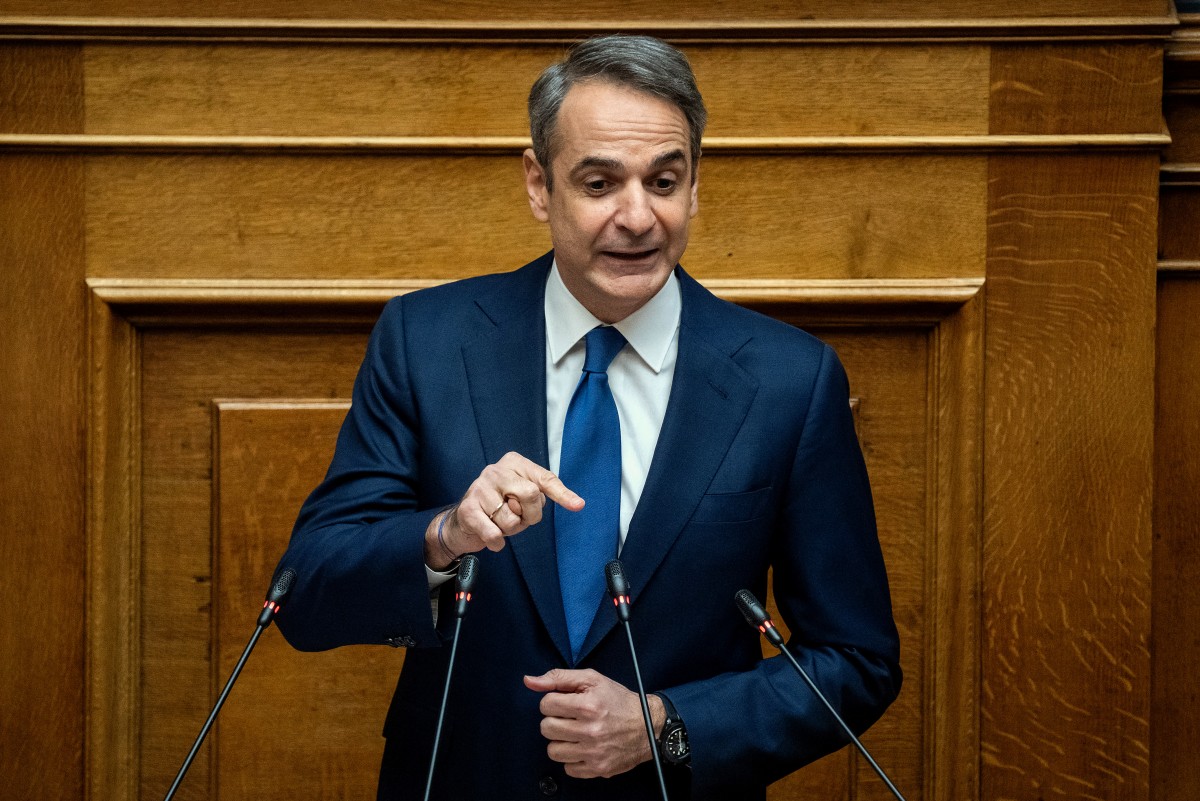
[150,302]
[1178,267]
[514,145]
[1179,174]
[684,31]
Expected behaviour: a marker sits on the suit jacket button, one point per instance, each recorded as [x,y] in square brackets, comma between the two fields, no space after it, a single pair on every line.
[547,785]
[403,641]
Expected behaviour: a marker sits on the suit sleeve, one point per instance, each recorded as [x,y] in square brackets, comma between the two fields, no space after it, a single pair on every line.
[358,543]
[753,727]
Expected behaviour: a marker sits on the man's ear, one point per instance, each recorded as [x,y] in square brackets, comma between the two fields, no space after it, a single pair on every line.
[535,186]
[695,191]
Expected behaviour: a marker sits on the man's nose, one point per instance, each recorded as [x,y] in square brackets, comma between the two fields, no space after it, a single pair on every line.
[635,214]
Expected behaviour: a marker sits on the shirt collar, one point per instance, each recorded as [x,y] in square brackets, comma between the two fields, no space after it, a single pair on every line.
[649,330]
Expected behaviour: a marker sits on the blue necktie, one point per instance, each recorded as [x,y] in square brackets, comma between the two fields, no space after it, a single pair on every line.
[590,464]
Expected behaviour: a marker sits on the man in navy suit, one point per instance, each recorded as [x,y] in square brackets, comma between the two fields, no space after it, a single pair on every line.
[737,453]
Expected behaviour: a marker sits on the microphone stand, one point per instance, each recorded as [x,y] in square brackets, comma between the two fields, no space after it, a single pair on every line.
[618,588]
[279,592]
[468,570]
[757,617]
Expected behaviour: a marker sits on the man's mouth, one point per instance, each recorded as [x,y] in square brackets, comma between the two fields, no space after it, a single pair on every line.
[631,255]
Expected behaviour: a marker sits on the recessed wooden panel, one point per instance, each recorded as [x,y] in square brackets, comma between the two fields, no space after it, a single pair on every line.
[1179,221]
[440,217]
[268,457]
[41,88]
[184,371]
[1076,88]
[460,90]
[1175,728]
[708,10]
[1182,112]
[1067,477]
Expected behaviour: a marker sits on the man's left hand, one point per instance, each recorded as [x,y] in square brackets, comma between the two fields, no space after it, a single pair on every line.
[594,725]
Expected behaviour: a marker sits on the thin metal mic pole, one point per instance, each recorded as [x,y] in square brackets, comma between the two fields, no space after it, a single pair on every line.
[757,617]
[468,571]
[637,672]
[437,737]
[275,598]
[618,588]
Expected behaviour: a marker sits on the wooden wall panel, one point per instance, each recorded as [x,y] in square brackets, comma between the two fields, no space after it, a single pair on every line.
[268,456]
[1179,234]
[294,216]
[43,550]
[1076,88]
[472,90]
[634,10]
[1174,723]
[183,372]
[1175,729]
[1069,396]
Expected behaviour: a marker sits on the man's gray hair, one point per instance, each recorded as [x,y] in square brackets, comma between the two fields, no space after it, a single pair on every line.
[642,63]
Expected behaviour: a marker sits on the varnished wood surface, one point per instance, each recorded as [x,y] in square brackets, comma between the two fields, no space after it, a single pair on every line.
[267,458]
[1067,478]
[286,217]
[1076,88]
[596,11]
[42,422]
[1175,730]
[446,90]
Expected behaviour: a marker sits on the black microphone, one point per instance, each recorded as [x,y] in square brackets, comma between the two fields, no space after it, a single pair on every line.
[280,589]
[468,572]
[618,588]
[757,617]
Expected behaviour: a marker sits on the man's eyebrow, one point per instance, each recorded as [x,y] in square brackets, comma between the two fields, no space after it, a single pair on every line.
[597,162]
[667,158]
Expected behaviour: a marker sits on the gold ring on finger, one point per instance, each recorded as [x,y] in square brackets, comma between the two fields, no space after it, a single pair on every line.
[492,516]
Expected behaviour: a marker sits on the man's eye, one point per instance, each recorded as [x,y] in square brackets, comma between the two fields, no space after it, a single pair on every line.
[664,184]
[597,185]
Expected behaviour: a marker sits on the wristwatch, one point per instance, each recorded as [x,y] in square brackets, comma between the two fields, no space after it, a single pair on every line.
[673,742]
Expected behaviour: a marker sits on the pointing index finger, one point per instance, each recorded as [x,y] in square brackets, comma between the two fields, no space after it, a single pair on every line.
[555,490]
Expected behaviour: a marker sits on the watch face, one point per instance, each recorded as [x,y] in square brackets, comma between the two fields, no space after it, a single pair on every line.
[676,745]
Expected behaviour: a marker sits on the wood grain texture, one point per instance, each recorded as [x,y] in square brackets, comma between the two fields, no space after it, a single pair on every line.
[1076,88]
[645,10]
[183,372]
[460,90]
[1178,218]
[41,88]
[1175,728]
[268,456]
[1182,113]
[42,472]
[1067,478]
[288,217]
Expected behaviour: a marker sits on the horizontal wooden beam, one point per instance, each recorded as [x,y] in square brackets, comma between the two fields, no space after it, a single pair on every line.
[151,302]
[734,30]
[513,145]
[1178,266]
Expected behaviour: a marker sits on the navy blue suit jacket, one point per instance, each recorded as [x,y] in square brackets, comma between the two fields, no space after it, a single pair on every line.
[757,466]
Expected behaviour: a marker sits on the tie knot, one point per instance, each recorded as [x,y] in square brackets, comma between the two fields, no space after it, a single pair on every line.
[603,344]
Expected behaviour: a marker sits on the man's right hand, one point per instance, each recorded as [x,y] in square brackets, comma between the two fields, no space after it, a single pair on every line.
[506,499]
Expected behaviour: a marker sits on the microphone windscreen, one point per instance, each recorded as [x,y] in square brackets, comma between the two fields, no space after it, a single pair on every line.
[614,574]
[468,572]
[752,610]
[282,586]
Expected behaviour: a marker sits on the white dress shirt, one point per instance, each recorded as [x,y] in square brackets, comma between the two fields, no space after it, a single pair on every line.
[640,377]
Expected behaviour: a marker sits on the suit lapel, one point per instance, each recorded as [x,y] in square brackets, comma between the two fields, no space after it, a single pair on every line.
[710,397]
[506,376]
